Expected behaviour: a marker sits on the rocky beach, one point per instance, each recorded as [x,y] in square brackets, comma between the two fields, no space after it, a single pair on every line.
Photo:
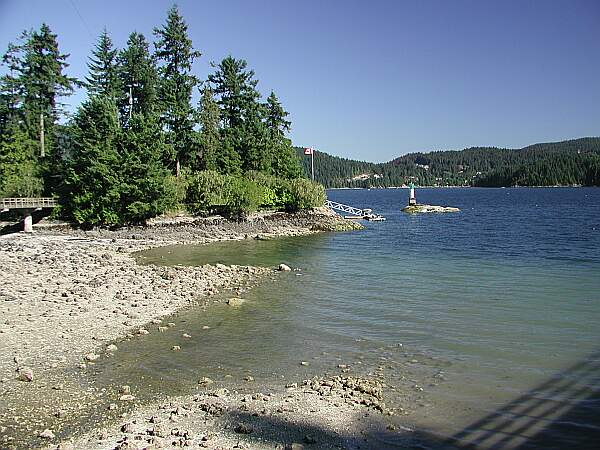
[68,296]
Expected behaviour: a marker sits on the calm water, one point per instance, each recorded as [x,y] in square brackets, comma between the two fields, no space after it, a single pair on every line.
[494,312]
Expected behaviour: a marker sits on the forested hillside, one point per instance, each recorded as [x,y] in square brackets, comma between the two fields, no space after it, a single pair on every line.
[573,162]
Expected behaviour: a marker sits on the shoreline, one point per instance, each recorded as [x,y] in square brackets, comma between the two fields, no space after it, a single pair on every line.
[69,294]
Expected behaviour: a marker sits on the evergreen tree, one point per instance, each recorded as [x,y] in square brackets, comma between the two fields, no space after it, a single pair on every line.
[145,190]
[175,52]
[138,77]
[92,177]
[19,171]
[284,162]
[33,87]
[208,118]
[242,113]
[103,77]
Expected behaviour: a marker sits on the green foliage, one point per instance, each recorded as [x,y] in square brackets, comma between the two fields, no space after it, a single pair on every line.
[238,196]
[112,163]
[19,171]
[233,195]
[115,176]
[146,187]
[284,162]
[210,138]
[103,76]
[92,177]
[242,114]
[176,54]
[305,194]
[137,76]
[561,163]
[31,92]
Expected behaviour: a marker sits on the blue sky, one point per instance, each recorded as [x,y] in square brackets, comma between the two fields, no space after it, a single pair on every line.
[374,80]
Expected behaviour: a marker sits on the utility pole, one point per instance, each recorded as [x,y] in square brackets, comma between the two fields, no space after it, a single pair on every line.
[42,137]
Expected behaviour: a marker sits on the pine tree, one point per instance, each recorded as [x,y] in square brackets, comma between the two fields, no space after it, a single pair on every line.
[284,162]
[242,113]
[175,52]
[19,171]
[145,190]
[103,71]
[208,118]
[138,77]
[92,178]
[34,85]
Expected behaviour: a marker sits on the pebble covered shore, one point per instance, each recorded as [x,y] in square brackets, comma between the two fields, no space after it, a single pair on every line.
[67,295]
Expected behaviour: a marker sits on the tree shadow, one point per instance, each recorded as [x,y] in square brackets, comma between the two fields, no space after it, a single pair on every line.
[361,433]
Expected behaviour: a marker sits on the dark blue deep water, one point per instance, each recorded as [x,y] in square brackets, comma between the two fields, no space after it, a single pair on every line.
[494,312]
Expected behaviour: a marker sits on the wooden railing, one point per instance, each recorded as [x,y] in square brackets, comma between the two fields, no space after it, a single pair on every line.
[27,203]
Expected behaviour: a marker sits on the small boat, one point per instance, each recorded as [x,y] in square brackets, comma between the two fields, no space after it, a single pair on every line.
[374,217]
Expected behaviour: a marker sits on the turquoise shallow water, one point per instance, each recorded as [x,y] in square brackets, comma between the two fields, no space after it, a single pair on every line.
[494,311]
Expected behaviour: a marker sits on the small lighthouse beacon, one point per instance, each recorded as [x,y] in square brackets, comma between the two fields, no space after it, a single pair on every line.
[412,200]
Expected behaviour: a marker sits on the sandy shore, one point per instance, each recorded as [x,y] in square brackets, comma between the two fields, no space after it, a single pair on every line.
[67,295]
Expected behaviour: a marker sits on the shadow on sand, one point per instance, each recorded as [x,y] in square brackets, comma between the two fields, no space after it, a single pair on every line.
[561,413]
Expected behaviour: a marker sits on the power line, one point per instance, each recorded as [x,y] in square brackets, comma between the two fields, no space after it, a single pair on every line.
[82,19]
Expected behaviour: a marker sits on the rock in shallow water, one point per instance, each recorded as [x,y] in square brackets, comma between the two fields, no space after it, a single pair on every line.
[235,302]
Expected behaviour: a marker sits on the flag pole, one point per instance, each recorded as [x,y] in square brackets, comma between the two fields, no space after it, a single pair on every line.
[312,162]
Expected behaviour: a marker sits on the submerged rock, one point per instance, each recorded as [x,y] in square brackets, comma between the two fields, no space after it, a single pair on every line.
[235,301]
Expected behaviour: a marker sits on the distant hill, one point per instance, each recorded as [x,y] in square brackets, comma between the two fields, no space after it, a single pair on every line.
[573,162]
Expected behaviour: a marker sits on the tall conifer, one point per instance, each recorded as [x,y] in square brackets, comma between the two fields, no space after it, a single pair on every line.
[32,90]
[176,55]
[138,78]
[103,72]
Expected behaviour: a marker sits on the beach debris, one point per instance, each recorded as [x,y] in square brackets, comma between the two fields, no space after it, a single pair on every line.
[91,357]
[242,428]
[25,374]
[46,434]
[309,439]
[205,381]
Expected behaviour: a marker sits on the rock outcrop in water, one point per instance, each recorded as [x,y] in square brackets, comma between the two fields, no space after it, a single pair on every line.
[417,209]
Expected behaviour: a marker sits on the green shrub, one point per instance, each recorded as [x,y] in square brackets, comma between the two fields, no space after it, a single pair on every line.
[245,196]
[234,195]
[305,194]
